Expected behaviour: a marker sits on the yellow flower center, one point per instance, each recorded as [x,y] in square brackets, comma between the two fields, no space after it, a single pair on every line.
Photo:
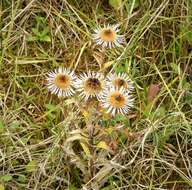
[108,35]
[117,100]
[62,81]
[92,85]
[120,83]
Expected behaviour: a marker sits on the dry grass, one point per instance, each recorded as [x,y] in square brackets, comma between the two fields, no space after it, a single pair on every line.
[45,143]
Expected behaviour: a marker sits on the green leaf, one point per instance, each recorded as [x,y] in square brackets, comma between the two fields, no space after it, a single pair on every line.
[31,166]
[119,117]
[189,36]
[2,127]
[45,39]
[51,107]
[6,178]
[14,124]
[188,97]
[176,68]
[116,4]
[35,31]
[126,122]
[32,39]
[40,19]
[45,31]
[22,178]
[106,188]
[186,32]
[72,187]
[136,3]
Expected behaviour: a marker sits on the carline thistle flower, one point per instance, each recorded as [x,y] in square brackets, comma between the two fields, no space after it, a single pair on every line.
[61,82]
[119,80]
[90,85]
[116,101]
[107,36]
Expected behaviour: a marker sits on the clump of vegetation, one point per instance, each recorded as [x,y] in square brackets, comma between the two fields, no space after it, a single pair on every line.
[84,140]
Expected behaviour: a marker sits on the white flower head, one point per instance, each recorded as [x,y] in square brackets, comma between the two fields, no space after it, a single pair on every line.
[116,101]
[107,36]
[120,80]
[90,84]
[61,82]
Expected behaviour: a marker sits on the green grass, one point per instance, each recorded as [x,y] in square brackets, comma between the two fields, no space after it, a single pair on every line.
[45,143]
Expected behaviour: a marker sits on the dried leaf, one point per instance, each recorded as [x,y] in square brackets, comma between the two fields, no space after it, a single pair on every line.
[2,187]
[76,137]
[86,115]
[102,144]
[110,130]
[153,91]
[113,145]
[85,149]
[108,64]
[98,57]
[103,173]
